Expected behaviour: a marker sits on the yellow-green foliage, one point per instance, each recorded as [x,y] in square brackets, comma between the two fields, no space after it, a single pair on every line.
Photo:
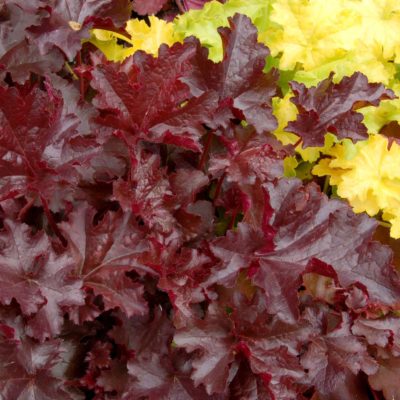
[141,37]
[368,175]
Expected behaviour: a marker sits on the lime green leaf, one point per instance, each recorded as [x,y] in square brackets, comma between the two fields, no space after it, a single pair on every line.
[367,174]
[142,37]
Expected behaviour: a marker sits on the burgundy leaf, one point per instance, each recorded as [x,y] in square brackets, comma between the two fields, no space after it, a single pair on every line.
[24,59]
[307,225]
[148,192]
[18,56]
[387,378]
[239,77]
[149,367]
[212,339]
[100,355]
[251,158]
[114,379]
[104,253]
[383,332]
[186,183]
[196,220]
[352,387]
[39,147]
[66,23]
[17,16]
[150,246]
[271,346]
[25,371]
[148,7]
[329,357]
[155,369]
[241,325]
[194,4]
[72,104]
[236,251]
[330,107]
[182,279]
[145,98]
[79,10]
[37,278]
[248,386]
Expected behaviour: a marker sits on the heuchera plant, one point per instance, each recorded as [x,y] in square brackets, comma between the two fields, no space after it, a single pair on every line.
[150,245]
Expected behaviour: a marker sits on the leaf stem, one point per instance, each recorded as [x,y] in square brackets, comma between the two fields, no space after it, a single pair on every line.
[298,142]
[206,150]
[232,221]
[326,185]
[181,6]
[51,221]
[384,224]
[219,186]
[122,37]
[26,208]
[71,71]
[81,79]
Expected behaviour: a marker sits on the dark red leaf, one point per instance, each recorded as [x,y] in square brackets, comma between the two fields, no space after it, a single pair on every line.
[37,278]
[28,370]
[239,77]
[154,370]
[236,251]
[39,147]
[99,356]
[330,357]
[186,183]
[183,279]
[212,339]
[307,225]
[104,253]
[65,26]
[194,4]
[352,387]
[147,193]
[23,59]
[250,159]
[148,7]
[330,107]
[150,247]
[17,15]
[387,378]
[383,332]
[149,366]
[248,386]
[145,98]
[72,104]
[240,325]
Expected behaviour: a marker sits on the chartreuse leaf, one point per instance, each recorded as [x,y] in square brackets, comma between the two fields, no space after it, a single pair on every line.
[204,23]
[311,39]
[366,59]
[107,42]
[340,39]
[384,17]
[375,118]
[367,174]
[142,37]
[149,38]
[312,33]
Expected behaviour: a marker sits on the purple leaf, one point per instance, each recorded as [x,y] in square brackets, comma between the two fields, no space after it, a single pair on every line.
[330,107]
